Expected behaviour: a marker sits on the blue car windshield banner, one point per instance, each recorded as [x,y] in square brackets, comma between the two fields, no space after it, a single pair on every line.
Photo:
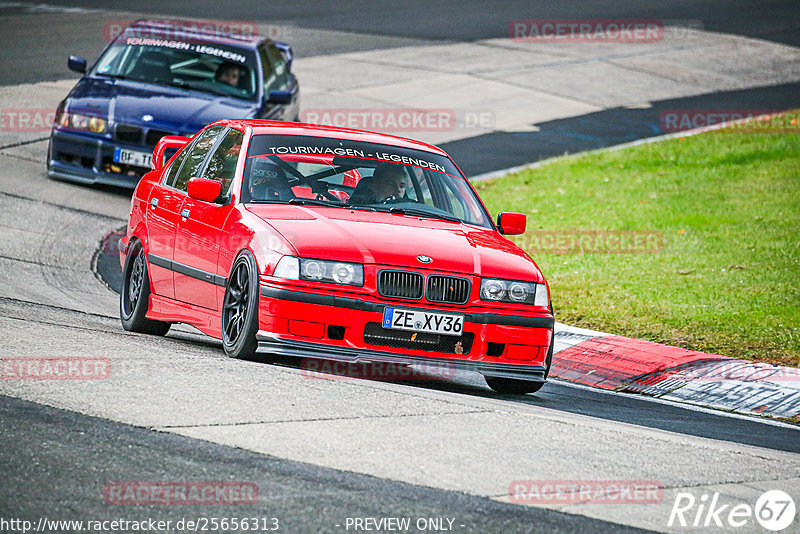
[211,68]
[193,47]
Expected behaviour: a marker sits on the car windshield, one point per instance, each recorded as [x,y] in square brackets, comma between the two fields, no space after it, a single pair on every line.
[210,68]
[350,174]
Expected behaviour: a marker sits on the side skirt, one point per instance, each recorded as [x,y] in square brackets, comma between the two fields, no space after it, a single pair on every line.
[165,309]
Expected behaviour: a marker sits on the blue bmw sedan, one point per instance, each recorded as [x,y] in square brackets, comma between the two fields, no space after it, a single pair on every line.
[153,81]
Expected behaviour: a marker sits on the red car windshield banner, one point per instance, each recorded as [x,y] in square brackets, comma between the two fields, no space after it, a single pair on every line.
[272,145]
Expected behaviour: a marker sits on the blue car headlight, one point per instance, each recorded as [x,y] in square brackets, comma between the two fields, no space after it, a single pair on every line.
[85,123]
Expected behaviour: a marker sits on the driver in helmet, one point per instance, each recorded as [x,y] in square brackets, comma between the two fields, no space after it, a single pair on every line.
[387,182]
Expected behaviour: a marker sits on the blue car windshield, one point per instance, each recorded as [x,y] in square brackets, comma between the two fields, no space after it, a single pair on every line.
[211,68]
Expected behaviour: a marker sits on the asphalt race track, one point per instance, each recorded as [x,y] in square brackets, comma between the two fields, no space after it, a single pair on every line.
[322,449]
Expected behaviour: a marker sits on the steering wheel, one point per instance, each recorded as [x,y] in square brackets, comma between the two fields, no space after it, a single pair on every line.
[391,199]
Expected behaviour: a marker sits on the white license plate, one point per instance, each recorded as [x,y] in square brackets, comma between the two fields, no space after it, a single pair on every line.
[422,321]
[133,157]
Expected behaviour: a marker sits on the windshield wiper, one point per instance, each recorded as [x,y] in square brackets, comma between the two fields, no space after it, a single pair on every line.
[109,75]
[423,213]
[314,202]
[180,83]
[183,84]
[266,201]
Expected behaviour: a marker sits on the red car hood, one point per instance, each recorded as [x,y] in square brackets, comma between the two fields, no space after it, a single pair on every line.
[396,240]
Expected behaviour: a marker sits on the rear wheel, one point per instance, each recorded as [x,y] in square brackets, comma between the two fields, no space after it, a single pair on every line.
[240,308]
[134,298]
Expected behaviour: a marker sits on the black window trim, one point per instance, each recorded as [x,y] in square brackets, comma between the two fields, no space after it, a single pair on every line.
[203,165]
[213,149]
[263,46]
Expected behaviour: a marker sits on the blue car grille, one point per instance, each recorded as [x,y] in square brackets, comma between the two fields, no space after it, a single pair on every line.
[154,136]
[128,133]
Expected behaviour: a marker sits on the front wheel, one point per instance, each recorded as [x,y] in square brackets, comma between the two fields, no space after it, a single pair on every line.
[240,308]
[520,387]
[512,386]
[134,298]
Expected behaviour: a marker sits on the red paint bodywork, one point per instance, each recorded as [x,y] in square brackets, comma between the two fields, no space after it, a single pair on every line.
[511,223]
[211,238]
[166,142]
[204,189]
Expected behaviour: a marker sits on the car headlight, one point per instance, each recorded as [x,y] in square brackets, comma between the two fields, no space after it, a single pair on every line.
[514,291]
[334,272]
[86,123]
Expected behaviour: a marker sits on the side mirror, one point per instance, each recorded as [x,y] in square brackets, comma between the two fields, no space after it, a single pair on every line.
[511,223]
[279,97]
[78,64]
[168,141]
[204,189]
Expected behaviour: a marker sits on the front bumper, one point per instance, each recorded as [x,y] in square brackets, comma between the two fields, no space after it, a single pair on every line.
[85,159]
[315,325]
[304,349]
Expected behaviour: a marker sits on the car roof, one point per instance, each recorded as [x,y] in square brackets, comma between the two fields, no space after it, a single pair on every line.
[315,130]
[196,29]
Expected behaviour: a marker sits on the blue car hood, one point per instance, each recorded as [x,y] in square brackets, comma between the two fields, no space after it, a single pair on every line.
[171,108]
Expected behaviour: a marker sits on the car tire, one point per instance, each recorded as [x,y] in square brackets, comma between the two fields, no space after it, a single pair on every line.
[513,386]
[520,387]
[134,297]
[240,308]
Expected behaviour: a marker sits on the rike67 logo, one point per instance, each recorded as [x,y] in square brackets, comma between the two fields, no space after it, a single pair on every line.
[774,510]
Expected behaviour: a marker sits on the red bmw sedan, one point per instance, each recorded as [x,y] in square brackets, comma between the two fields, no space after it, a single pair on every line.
[319,242]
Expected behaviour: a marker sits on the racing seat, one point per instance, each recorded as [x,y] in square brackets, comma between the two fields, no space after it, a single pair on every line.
[268,181]
[151,66]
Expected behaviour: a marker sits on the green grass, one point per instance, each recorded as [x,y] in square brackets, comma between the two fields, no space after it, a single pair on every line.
[727,206]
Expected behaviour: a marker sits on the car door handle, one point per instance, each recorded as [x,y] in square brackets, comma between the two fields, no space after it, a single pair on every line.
[185,213]
[154,202]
